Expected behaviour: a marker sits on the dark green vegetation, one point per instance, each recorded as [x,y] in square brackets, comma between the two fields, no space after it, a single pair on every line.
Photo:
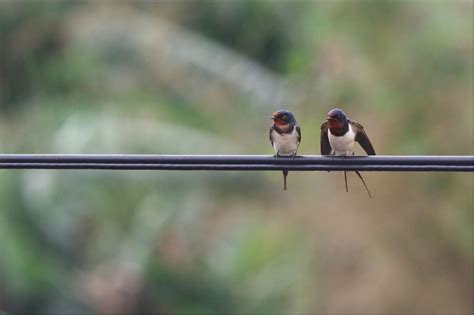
[202,78]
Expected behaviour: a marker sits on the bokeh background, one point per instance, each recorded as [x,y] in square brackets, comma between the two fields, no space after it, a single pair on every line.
[202,77]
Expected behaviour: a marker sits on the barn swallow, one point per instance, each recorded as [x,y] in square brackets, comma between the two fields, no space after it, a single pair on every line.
[285,136]
[338,136]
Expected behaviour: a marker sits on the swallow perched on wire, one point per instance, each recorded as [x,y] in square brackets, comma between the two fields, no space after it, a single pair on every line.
[338,136]
[285,136]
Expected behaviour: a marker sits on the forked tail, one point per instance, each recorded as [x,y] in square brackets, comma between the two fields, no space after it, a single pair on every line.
[285,174]
[345,180]
[363,182]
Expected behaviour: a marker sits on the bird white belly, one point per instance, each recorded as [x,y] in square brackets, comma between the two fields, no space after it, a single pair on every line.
[343,145]
[285,144]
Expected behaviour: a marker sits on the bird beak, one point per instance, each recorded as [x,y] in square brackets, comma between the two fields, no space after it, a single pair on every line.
[330,118]
[272,118]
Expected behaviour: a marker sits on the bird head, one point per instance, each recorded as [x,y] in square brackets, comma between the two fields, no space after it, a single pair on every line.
[283,117]
[337,119]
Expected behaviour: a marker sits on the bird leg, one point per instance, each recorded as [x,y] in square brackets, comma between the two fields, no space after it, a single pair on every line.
[363,182]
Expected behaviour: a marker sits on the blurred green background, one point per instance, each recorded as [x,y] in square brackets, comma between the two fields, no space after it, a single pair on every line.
[202,77]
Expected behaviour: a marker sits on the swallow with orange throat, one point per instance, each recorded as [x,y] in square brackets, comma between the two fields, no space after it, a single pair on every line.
[285,136]
[339,135]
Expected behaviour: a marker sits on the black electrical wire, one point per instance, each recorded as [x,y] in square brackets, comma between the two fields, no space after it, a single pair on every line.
[237,162]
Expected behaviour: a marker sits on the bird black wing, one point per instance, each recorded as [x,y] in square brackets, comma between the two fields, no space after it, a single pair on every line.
[270,135]
[362,138]
[298,130]
[324,143]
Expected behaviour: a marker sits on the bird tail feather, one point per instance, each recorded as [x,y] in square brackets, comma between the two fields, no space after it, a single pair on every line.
[363,182]
[285,174]
[345,180]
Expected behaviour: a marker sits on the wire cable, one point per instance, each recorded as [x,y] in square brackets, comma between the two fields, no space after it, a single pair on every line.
[407,163]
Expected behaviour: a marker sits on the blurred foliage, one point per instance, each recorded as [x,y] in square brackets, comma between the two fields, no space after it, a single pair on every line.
[263,30]
[97,77]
